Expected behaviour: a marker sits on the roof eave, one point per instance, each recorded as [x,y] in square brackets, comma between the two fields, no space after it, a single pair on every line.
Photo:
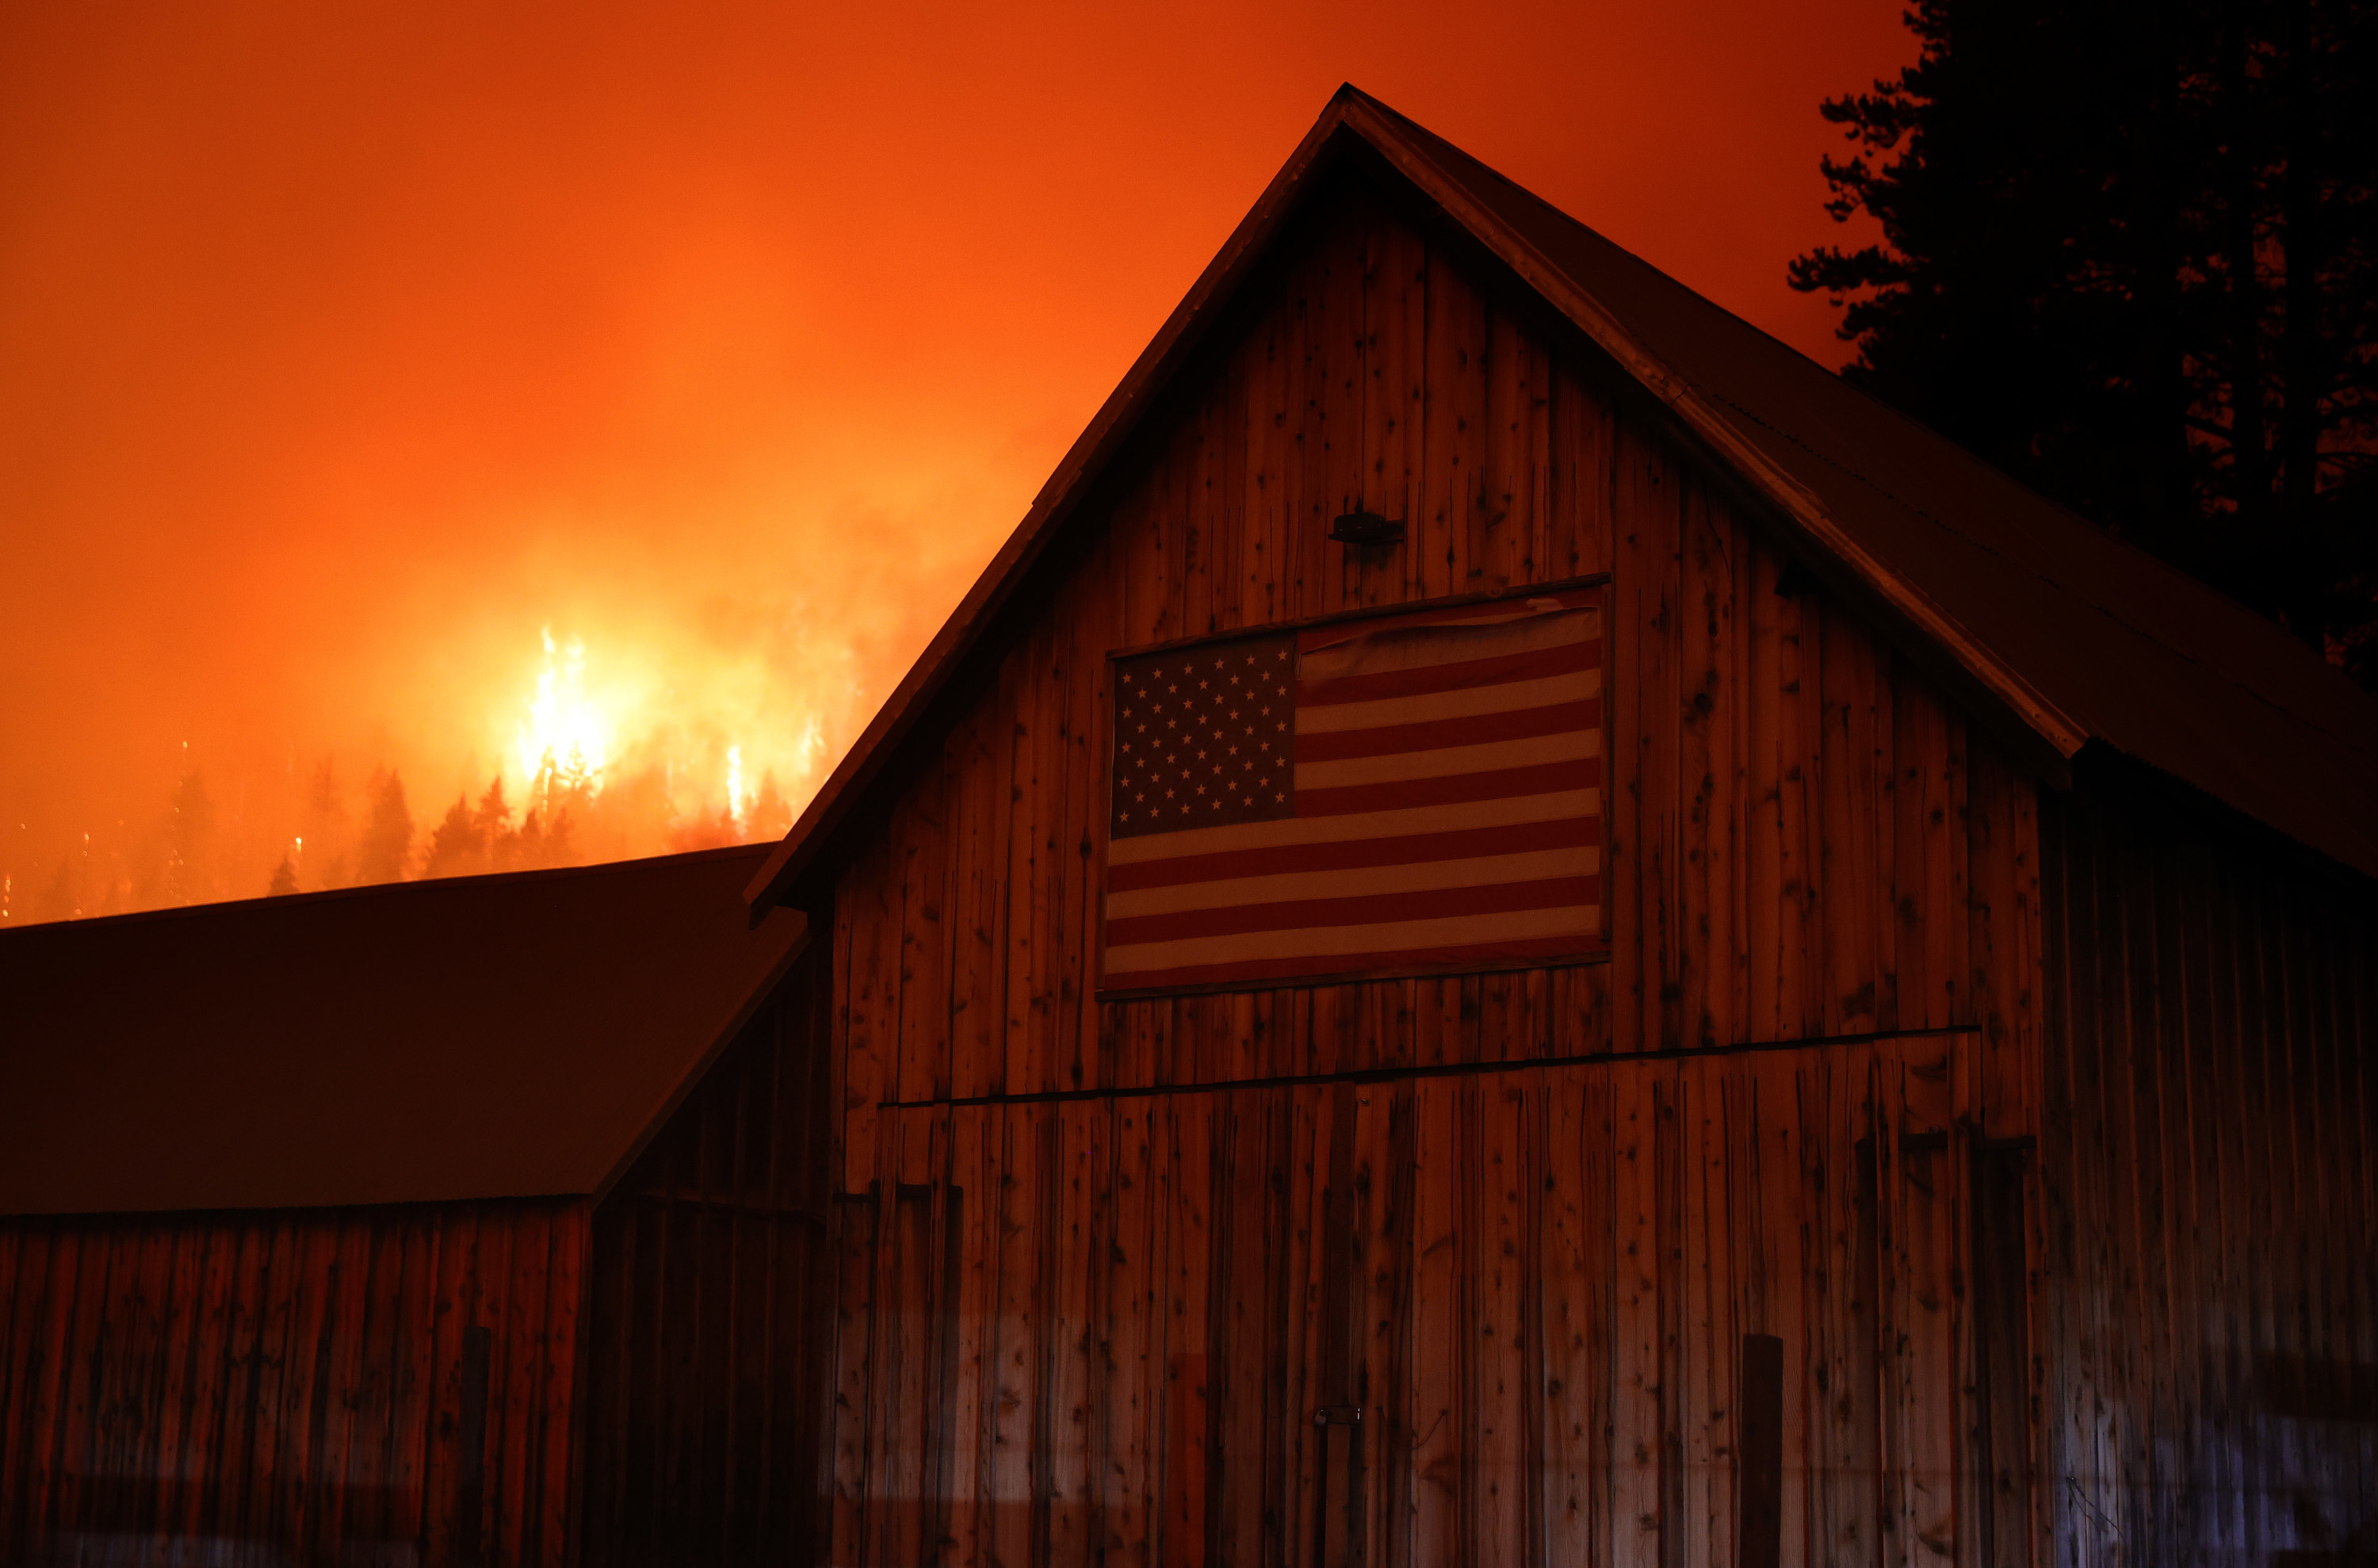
[1797,505]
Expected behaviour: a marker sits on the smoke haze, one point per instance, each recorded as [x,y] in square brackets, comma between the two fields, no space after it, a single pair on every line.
[346,352]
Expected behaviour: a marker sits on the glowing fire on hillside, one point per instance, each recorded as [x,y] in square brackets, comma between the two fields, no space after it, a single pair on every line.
[598,755]
[563,729]
[604,759]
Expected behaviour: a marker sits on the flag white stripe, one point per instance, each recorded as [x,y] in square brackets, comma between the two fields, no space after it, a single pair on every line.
[1566,746]
[1401,823]
[1487,615]
[1411,877]
[1347,941]
[1324,719]
[1429,648]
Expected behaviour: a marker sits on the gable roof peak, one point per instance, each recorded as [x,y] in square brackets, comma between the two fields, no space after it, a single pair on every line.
[2053,633]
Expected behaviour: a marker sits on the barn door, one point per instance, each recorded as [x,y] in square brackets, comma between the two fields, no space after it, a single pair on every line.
[1365,1239]
[1806,1215]
[1567,1271]
[1396,1407]
[1496,1316]
[1503,1318]
[1309,1295]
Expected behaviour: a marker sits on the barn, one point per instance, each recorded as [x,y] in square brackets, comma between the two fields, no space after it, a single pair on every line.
[1789,1001]
[1766,995]
[457,1221]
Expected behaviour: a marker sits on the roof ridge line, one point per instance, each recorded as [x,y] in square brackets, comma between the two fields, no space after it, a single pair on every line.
[1996,675]
[2177,578]
[1996,668]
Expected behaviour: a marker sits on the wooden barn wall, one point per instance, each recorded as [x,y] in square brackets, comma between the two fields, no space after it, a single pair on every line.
[1805,841]
[1534,1282]
[2210,1315]
[291,1387]
[705,1364]
[1808,851]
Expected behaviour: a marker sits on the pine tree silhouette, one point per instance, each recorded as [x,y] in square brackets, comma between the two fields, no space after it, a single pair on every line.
[457,847]
[527,846]
[2131,255]
[493,821]
[388,836]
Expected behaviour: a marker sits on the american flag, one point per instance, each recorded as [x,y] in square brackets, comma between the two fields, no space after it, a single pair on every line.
[1407,791]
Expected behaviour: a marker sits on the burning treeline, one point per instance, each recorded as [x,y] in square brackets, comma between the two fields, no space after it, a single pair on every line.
[586,776]
[348,833]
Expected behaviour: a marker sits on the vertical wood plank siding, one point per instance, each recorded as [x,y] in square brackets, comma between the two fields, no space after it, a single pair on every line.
[1804,840]
[704,1360]
[2211,1307]
[288,1387]
[1102,1275]
[1533,1284]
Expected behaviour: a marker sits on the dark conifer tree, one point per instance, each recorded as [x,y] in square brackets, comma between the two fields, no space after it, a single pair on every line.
[457,847]
[388,836]
[2131,255]
[493,821]
[527,846]
[559,848]
[284,880]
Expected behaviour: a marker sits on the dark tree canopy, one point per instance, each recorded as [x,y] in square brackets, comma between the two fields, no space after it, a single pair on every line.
[2131,255]
[459,846]
[388,837]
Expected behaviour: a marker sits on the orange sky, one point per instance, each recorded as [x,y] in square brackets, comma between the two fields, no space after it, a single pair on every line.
[343,349]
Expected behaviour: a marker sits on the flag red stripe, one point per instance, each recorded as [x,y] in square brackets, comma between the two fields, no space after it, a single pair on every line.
[1537,778]
[1367,910]
[1254,969]
[1353,855]
[1277,900]
[1534,665]
[1517,724]
[1479,615]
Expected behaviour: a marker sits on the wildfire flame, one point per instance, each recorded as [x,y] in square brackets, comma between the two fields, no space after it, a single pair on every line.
[565,730]
[687,773]
[633,750]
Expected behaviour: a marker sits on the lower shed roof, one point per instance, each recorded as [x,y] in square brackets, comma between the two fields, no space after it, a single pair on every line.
[471,1038]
